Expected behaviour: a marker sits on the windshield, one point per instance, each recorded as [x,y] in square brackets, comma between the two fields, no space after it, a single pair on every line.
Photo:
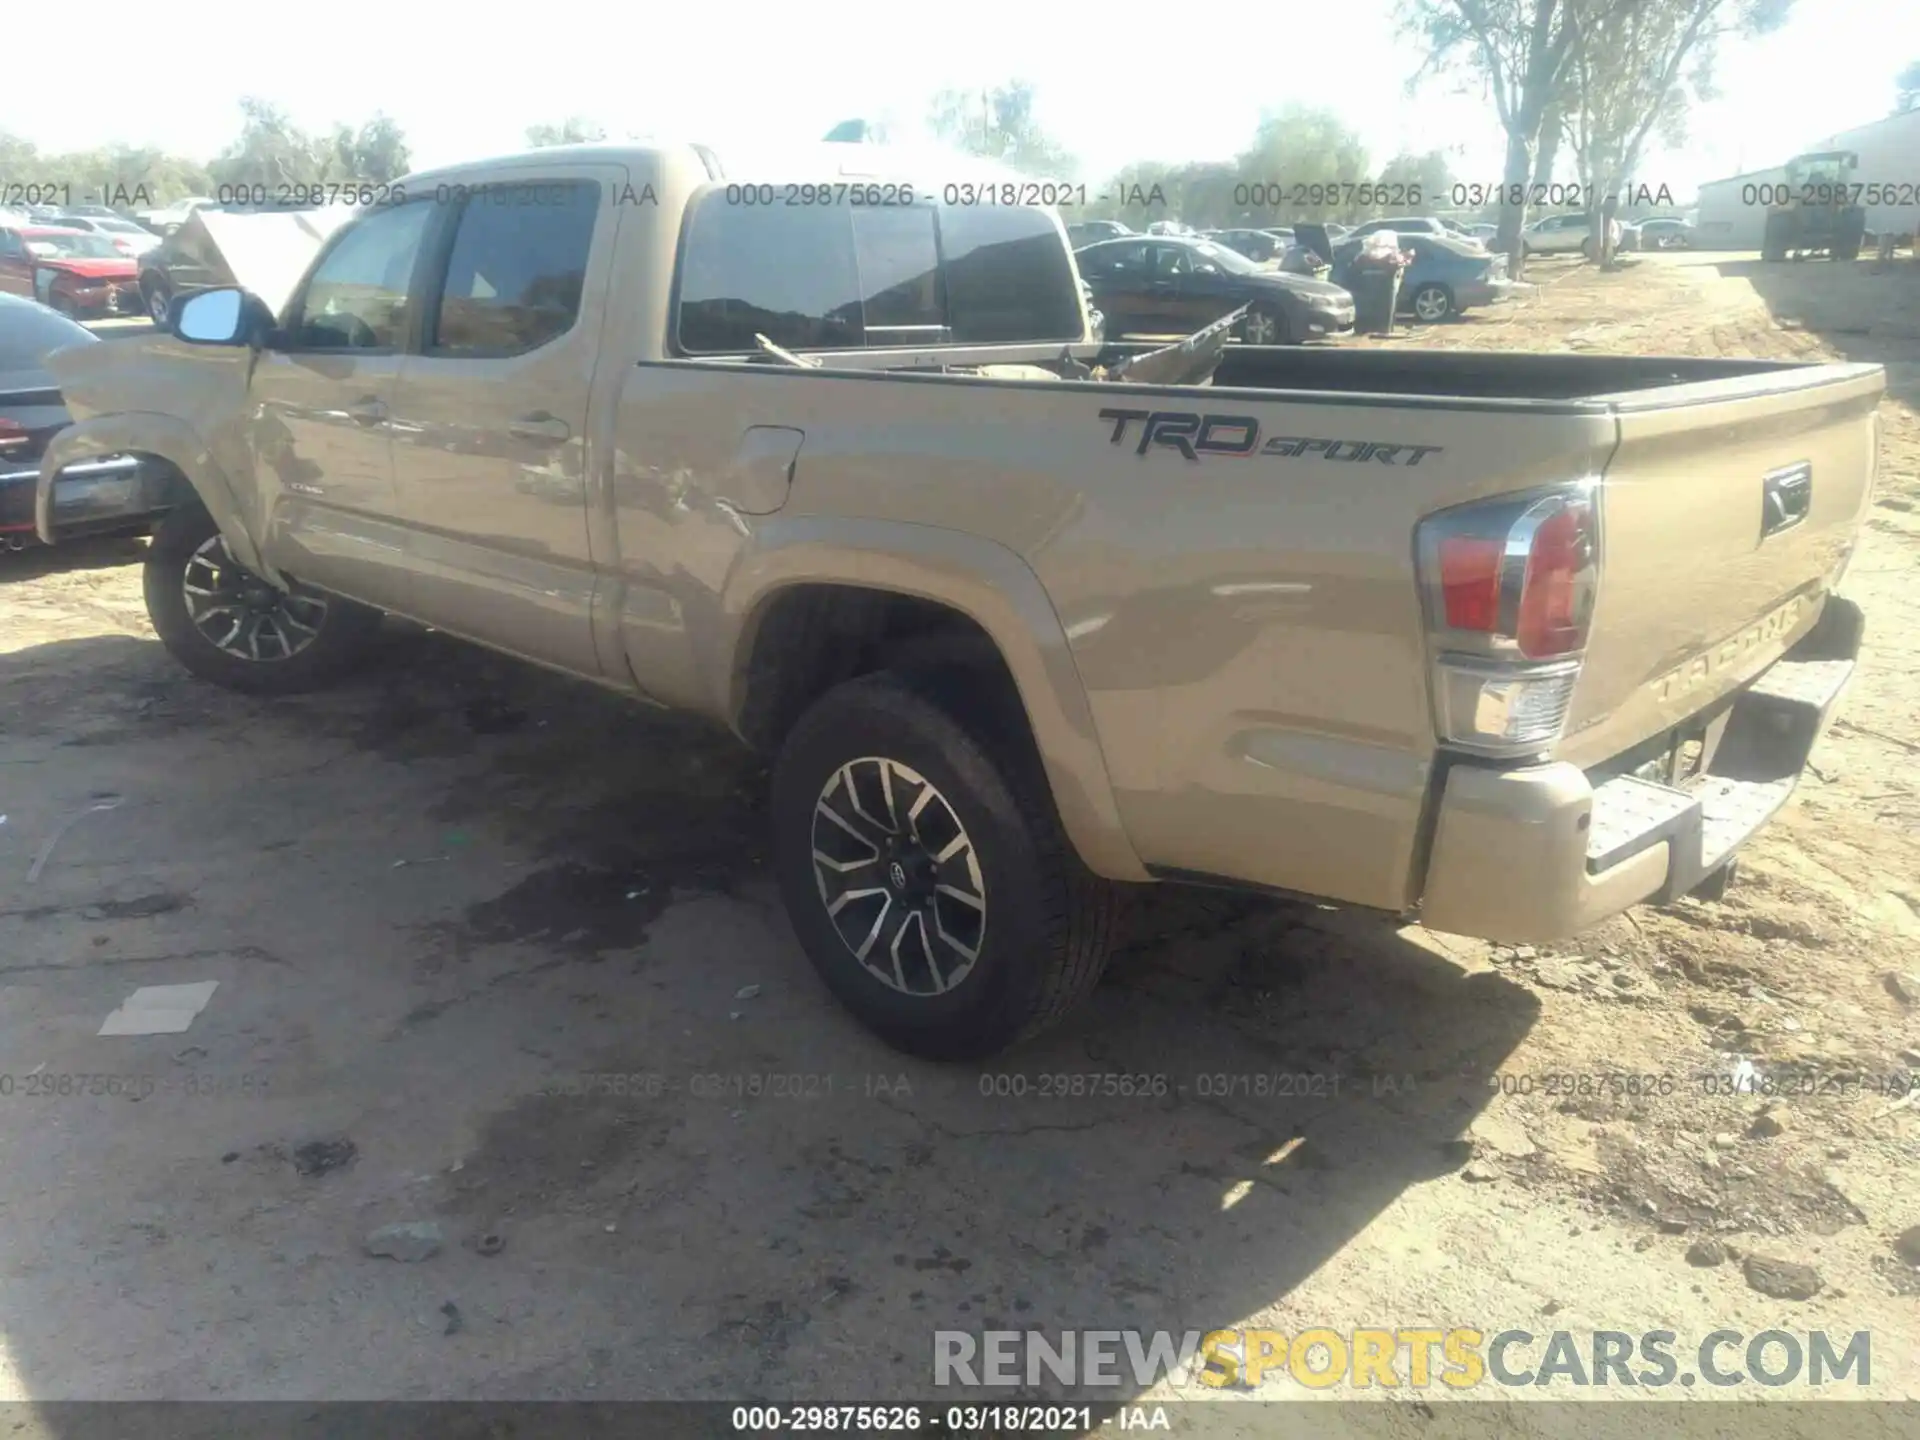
[1230,261]
[76,245]
[120,227]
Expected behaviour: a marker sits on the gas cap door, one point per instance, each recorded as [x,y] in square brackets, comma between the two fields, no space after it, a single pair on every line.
[757,479]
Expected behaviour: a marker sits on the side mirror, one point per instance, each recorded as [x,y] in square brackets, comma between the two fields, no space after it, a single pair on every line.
[221,317]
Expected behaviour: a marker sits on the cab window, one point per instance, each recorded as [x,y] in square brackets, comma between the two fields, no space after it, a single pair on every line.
[356,298]
[517,268]
[788,273]
[1009,276]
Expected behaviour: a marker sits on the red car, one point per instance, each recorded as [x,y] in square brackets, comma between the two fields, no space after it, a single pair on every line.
[77,273]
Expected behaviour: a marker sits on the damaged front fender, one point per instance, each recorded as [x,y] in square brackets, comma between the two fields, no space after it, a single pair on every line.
[156,396]
[75,488]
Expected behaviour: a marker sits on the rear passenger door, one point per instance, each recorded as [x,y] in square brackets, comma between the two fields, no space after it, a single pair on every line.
[491,412]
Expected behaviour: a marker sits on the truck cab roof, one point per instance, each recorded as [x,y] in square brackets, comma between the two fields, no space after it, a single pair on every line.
[798,162]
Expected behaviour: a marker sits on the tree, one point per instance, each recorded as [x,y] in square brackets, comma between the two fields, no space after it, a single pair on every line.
[571,131]
[1553,126]
[1626,82]
[376,152]
[1295,150]
[1428,177]
[998,124]
[270,152]
[1521,51]
[1907,82]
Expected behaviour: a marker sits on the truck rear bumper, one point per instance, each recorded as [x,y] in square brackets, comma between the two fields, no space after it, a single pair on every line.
[1540,852]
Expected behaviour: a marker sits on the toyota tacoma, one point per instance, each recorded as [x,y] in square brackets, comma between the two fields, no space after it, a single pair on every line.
[822,447]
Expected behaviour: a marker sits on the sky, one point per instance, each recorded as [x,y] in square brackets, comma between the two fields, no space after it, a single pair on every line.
[1113,84]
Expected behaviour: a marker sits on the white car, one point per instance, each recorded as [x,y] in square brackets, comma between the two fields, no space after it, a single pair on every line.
[175,215]
[127,237]
[1561,234]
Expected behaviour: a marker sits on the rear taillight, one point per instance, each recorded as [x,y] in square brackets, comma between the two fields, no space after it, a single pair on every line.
[1510,587]
[13,436]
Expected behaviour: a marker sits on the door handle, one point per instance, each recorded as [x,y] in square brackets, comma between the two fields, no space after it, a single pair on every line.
[539,426]
[370,411]
[1786,497]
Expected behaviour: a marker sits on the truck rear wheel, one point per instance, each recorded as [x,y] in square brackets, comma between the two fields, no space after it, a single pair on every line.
[228,625]
[927,875]
[1776,238]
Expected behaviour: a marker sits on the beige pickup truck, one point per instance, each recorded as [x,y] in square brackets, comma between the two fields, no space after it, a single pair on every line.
[823,448]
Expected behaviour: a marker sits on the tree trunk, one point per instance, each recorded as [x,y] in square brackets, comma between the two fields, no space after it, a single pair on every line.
[1513,199]
[1550,128]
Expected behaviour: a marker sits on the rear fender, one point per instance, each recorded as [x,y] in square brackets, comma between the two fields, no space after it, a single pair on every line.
[172,440]
[982,580]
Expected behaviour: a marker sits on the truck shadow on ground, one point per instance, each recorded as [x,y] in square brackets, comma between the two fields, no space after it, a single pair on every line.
[771,1204]
[38,561]
[1867,312]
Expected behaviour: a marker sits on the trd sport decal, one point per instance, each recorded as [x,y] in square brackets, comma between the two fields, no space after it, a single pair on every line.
[1194,435]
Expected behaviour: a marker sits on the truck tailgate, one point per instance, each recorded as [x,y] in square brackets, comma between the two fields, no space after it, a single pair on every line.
[1730,509]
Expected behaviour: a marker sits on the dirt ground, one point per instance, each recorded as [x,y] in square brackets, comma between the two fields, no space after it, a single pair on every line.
[437,897]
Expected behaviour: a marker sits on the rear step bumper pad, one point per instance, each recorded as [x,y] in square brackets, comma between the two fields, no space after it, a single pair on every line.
[1772,730]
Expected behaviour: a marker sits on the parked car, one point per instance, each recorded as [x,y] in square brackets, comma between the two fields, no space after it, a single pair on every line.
[271,246]
[1665,232]
[1012,647]
[1483,232]
[126,237]
[1448,277]
[75,271]
[32,413]
[1169,284]
[1087,232]
[170,218]
[1259,246]
[1413,225]
[1565,234]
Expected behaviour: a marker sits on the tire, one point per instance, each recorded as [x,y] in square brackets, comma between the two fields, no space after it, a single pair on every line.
[1432,304]
[1773,244]
[157,298]
[1266,322]
[187,550]
[1044,926]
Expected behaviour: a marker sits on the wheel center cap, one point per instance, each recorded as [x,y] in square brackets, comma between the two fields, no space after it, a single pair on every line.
[897,875]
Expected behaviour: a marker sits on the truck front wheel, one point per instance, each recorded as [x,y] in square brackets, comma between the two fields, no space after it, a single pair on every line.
[926,873]
[228,625]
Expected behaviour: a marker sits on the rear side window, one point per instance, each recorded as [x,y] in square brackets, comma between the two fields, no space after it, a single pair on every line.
[517,268]
[853,277]
[1009,278]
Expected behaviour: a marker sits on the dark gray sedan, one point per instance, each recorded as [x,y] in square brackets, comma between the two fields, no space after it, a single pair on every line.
[1173,285]
[32,412]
